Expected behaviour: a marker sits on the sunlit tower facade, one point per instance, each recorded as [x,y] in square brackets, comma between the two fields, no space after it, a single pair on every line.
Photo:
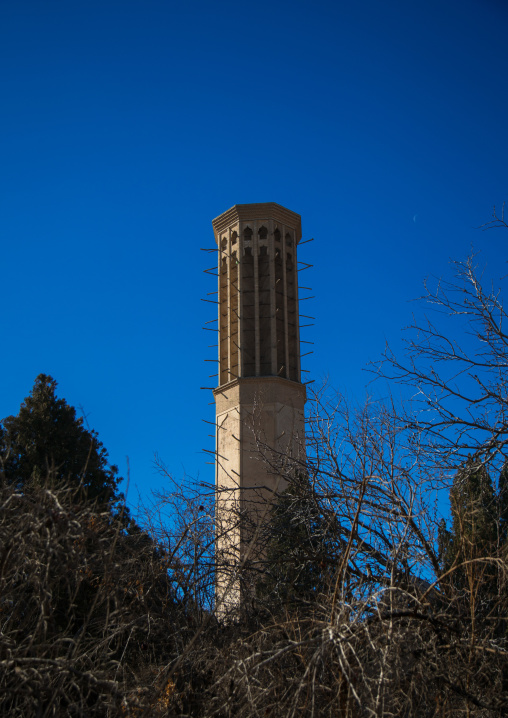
[260,397]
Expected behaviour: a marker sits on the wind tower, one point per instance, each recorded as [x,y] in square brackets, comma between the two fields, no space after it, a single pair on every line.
[260,397]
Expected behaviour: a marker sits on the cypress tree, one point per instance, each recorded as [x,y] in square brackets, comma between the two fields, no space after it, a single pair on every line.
[300,548]
[473,537]
[46,441]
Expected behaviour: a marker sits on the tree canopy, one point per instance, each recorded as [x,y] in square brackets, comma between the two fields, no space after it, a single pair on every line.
[47,439]
[301,545]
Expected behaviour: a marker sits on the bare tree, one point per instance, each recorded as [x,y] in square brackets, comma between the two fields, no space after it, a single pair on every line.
[86,609]
[456,366]
[386,629]
[363,601]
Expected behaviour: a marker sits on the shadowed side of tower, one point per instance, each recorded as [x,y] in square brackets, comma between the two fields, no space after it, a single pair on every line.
[260,398]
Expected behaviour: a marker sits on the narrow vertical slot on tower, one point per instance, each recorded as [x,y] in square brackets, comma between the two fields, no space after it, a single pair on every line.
[279,314]
[292,317]
[234,314]
[248,311]
[223,319]
[265,348]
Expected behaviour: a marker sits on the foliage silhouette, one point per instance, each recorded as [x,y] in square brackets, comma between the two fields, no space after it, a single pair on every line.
[368,605]
[46,438]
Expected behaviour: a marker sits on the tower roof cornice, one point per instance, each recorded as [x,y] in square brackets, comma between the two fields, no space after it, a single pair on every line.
[260,211]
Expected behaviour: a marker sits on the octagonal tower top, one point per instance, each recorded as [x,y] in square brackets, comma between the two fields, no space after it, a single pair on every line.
[260,211]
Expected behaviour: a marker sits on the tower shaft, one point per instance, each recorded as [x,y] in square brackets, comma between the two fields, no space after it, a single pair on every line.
[260,398]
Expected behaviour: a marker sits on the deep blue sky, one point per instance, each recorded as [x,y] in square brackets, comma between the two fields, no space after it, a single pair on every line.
[126,126]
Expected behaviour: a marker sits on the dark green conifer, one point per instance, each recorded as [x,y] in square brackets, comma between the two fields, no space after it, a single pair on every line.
[47,441]
[469,548]
[299,551]
[502,499]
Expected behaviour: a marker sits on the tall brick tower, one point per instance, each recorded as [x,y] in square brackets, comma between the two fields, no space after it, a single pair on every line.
[260,398]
